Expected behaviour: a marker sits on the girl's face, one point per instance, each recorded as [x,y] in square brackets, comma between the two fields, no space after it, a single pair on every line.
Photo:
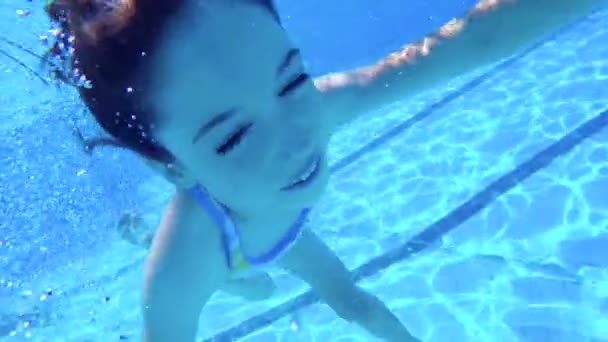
[238,110]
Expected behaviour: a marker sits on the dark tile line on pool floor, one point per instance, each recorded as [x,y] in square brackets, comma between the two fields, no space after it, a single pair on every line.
[432,233]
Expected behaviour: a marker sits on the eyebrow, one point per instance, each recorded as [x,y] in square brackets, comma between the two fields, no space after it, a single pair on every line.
[209,125]
[222,117]
[287,60]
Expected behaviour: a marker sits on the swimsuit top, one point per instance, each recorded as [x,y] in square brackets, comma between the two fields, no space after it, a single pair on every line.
[235,258]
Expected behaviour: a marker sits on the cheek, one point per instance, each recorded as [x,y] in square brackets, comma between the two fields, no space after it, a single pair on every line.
[260,148]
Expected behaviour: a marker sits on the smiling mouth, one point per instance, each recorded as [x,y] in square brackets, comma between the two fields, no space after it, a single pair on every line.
[306,176]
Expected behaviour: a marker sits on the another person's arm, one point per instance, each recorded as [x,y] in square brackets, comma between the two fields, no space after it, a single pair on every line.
[492,30]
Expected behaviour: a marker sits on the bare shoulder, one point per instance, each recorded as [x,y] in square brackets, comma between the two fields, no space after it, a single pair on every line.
[184,224]
[184,268]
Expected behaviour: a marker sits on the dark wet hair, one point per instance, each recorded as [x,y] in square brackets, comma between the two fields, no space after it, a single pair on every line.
[103,47]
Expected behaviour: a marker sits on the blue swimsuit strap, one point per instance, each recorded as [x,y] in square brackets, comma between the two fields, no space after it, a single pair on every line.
[220,217]
[217,215]
[286,241]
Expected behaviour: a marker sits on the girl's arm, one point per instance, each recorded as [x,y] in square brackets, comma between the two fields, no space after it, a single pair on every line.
[492,30]
[313,261]
[185,266]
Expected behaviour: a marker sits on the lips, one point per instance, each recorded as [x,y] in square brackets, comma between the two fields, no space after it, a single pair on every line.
[306,175]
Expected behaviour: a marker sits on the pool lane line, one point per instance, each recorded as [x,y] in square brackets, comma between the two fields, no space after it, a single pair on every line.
[432,233]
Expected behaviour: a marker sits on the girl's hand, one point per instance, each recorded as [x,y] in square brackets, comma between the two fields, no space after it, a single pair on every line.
[132,228]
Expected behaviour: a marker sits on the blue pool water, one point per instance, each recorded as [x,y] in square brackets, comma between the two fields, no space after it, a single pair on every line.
[478,211]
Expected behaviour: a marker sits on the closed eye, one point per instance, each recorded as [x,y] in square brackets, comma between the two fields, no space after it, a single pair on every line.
[233,139]
[293,85]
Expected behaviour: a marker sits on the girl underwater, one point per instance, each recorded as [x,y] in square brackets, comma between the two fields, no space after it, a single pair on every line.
[214,96]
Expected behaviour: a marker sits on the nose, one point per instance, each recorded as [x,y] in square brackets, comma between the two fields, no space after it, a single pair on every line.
[296,142]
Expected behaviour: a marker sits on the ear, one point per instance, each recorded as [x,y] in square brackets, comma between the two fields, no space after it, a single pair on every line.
[174,172]
[177,174]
